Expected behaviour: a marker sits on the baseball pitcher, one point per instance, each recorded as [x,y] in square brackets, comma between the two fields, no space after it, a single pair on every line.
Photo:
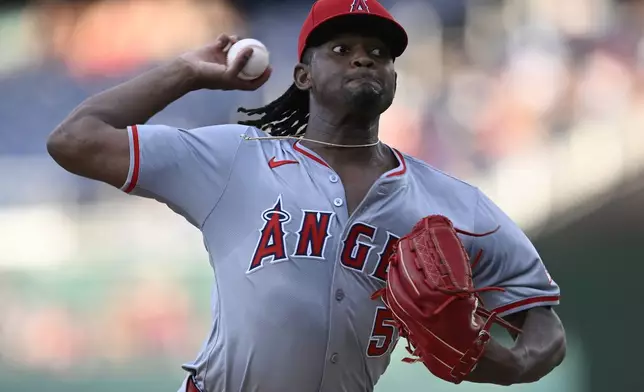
[302,208]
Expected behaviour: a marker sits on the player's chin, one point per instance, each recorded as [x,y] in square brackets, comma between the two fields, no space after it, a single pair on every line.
[369,97]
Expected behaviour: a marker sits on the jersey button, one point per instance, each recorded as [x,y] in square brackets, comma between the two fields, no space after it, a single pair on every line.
[338,202]
[335,358]
[339,295]
[333,178]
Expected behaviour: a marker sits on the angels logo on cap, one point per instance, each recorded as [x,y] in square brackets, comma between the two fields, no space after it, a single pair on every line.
[328,17]
[359,5]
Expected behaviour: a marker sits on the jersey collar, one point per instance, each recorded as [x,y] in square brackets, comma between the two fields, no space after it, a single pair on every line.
[399,171]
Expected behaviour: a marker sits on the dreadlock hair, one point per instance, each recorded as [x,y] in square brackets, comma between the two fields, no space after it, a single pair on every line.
[288,115]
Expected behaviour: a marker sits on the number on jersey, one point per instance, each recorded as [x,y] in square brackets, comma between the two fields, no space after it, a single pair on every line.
[382,333]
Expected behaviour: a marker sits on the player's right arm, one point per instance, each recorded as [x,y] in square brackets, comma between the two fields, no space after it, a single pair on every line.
[98,139]
[94,142]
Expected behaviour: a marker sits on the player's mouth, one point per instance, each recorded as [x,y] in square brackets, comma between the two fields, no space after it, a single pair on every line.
[364,78]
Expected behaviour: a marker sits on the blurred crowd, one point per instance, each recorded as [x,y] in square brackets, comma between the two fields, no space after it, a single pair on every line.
[482,80]
[58,328]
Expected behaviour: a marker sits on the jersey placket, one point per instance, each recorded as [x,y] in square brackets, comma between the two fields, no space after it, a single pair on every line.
[337,359]
[339,362]
[335,194]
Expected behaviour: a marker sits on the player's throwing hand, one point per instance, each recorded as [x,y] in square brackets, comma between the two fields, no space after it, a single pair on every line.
[214,73]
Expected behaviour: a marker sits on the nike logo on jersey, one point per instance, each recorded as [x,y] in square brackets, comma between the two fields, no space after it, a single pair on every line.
[273,163]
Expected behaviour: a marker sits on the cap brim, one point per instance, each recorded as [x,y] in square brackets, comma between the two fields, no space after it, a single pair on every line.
[389,31]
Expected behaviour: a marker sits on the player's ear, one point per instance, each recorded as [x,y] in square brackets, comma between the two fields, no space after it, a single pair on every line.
[395,81]
[302,76]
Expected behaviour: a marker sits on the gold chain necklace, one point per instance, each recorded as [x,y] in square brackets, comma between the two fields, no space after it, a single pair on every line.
[246,137]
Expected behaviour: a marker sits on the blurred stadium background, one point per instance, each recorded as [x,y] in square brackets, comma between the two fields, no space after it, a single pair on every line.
[538,102]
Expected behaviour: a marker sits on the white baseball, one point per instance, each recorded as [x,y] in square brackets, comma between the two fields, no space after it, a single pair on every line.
[258,62]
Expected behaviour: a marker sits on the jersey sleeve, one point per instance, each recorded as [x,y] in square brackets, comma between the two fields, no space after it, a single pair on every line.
[186,169]
[509,261]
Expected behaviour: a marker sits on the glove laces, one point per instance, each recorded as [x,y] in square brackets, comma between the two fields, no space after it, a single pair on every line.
[461,294]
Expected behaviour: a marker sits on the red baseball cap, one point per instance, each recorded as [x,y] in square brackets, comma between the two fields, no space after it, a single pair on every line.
[328,17]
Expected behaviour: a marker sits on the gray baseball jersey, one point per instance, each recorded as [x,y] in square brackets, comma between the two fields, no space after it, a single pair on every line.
[294,272]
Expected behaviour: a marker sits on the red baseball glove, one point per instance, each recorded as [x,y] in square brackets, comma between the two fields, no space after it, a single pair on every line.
[433,300]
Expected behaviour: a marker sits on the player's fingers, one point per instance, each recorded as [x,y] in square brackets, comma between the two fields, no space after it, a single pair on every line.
[263,78]
[252,85]
[222,42]
[240,62]
[231,41]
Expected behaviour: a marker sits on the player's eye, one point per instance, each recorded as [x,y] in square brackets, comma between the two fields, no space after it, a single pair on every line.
[340,49]
[381,53]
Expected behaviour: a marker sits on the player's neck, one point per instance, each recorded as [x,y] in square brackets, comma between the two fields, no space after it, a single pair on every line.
[346,127]
[343,132]
[342,128]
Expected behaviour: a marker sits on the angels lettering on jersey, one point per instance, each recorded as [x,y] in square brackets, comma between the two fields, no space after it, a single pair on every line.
[313,234]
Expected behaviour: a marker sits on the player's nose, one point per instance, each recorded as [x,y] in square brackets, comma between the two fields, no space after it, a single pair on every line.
[362,59]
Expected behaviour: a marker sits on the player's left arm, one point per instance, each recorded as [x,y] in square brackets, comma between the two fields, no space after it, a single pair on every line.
[510,261]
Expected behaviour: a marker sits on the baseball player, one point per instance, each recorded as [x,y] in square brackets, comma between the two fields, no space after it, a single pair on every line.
[300,208]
